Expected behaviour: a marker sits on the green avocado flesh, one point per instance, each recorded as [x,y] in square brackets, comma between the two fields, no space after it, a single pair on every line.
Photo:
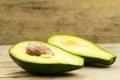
[60,62]
[91,52]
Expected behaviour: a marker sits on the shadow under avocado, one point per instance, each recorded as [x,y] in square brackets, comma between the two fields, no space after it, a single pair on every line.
[27,74]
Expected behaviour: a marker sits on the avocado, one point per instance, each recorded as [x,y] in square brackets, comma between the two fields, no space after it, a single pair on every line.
[91,52]
[39,57]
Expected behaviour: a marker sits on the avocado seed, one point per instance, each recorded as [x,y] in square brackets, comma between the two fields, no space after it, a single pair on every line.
[37,49]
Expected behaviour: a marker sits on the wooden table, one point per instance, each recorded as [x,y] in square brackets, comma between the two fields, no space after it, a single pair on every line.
[10,71]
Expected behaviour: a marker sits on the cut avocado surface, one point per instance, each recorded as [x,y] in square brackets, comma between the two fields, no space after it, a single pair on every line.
[91,52]
[60,62]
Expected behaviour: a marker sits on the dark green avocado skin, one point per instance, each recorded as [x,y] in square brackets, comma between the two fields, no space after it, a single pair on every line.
[41,68]
[90,60]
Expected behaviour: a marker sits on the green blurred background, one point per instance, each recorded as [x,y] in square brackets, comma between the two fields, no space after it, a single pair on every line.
[96,20]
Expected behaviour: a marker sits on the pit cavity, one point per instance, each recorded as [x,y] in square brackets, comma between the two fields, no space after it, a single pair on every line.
[38,49]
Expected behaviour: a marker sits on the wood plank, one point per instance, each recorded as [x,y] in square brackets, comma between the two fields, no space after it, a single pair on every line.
[10,71]
[97,20]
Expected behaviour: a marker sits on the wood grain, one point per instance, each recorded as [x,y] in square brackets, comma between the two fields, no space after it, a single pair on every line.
[96,20]
[10,71]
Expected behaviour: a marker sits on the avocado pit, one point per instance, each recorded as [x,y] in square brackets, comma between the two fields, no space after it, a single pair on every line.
[37,49]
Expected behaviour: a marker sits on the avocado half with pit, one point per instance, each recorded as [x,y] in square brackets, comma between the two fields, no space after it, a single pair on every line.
[91,52]
[42,58]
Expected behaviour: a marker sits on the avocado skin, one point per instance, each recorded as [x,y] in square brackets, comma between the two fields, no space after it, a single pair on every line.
[35,68]
[88,60]
[43,69]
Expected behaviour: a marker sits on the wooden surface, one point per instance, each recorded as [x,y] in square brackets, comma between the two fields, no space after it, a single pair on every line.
[97,20]
[10,71]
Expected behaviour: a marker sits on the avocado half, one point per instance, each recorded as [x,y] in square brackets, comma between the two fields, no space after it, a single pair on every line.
[91,52]
[60,62]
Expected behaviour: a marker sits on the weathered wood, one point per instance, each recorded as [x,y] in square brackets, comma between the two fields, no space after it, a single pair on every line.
[97,20]
[10,71]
